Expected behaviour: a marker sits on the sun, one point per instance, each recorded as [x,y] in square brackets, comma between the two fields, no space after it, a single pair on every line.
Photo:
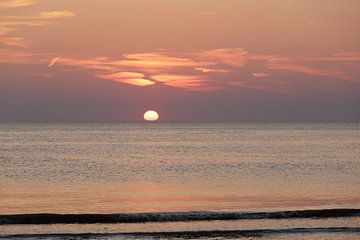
[151,116]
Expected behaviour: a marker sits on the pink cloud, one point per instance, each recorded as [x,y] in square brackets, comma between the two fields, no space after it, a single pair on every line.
[53,61]
[260,74]
[13,42]
[189,82]
[204,70]
[16,3]
[133,78]
[212,70]
[57,14]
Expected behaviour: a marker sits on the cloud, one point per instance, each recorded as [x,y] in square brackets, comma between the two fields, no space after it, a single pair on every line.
[338,57]
[15,56]
[57,14]
[211,69]
[9,44]
[342,65]
[98,63]
[39,19]
[13,23]
[128,75]
[162,67]
[138,81]
[16,3]
[345,56]
[214,69]
[303,69]
[189,82]
[260,74]
[133,78]
[13,42]
[53,61]
[157,61]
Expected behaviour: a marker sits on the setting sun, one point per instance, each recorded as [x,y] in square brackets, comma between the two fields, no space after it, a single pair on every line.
[151,116]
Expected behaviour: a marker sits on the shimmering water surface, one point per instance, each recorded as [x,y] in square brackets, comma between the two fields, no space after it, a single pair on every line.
[135,167]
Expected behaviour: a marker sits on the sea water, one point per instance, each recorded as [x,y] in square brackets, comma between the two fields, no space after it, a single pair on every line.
[175,171]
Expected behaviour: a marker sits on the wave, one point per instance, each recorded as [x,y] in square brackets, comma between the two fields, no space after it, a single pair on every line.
[193,234]
[45,218]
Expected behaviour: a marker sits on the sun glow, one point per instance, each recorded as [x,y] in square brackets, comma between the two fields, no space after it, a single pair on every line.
[151,116]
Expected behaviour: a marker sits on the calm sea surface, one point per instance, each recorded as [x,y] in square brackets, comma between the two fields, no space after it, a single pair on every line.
[162,167]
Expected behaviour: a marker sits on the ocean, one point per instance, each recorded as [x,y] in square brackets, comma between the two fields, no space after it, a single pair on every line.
[180,181]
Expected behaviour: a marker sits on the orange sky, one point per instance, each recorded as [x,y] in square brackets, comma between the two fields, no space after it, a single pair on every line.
[223,60]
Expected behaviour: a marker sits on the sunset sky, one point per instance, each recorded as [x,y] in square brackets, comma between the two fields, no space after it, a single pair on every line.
[190,60]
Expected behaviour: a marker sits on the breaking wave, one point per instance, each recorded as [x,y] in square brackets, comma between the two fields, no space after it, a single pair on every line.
[45,218]
[192,234]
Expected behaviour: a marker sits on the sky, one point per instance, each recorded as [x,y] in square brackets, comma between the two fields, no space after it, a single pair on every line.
[190,60]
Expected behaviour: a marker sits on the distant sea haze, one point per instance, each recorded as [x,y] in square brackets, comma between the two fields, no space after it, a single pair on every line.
[180,180]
